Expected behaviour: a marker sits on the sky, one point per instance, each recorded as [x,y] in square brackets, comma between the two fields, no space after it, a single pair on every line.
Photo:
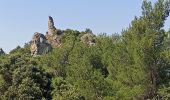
[20,19]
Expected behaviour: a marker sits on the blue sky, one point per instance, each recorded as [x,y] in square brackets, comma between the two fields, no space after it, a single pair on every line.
[19,19]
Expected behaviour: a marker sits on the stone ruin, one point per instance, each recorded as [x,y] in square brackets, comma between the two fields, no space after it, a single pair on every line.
[41,44]
[53,35]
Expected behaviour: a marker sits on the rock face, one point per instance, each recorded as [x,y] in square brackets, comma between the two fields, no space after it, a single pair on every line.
[53,35]
[88,38]
[1,51]
[39,45]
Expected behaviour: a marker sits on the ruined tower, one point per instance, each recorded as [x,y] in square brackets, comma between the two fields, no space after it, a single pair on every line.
[41,44]
[53,35]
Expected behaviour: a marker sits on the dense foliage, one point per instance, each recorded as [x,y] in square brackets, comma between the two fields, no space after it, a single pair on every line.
[133,65]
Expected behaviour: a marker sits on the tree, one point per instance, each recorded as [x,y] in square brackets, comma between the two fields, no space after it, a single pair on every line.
[88,30]
[141,52]
[23,79]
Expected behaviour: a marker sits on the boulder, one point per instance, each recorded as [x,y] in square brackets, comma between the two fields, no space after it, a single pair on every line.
[88,38]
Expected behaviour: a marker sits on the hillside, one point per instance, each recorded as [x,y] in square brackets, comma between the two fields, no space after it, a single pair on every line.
[73,65]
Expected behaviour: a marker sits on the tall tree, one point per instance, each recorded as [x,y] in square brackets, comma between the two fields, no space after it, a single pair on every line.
[141,50]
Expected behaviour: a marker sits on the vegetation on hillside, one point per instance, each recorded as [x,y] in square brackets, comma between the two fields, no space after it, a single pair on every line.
[132,66]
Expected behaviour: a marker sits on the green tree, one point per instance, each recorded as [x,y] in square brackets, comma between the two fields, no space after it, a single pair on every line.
[139,58]
[23,79]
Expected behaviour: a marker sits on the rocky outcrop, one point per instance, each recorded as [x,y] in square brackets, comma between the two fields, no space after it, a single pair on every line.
[39,45]
[1,51]
[88,38]
[53,35]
